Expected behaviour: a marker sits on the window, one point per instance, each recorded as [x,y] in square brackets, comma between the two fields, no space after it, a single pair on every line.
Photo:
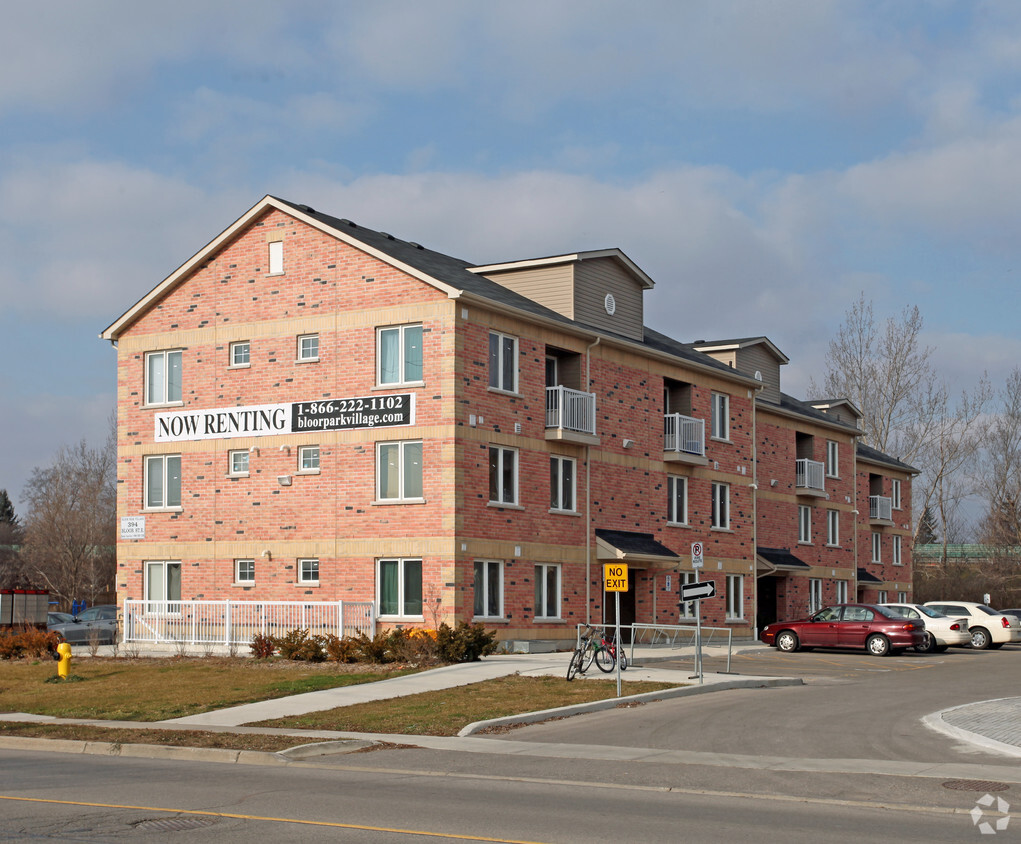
[677,499]
[832,459]
[399,471]
[561,483]
[547,590]
[804,523]
[735,596]
[882,597]
[488,589]
[503,362]
[399,588]
[721,506]
[720,416]
[240,353]
[308,459]
[895,552]
[877,547]
[399,355]
[308,571]
[163,581]
[832,527]
[841,591]
[308,347]
[503,475]
[238,462]
[244,571]
[895,494]
[902,597]
[688,607]
[814,595]
[162,377]
[163,482]
[276,257]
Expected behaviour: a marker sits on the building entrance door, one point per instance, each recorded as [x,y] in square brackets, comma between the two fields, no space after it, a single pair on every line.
[627,606]
[765,610]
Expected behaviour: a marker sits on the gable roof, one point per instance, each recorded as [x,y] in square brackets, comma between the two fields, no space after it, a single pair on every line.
[740,343]
[630,266]
[874,455]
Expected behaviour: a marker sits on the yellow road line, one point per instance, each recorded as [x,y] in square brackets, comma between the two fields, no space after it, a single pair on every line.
[234,816]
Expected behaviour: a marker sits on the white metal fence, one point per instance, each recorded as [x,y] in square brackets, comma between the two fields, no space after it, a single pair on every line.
[683,433]
[570,409]
[880,507]
[237,622]
[666,641]
[810,474]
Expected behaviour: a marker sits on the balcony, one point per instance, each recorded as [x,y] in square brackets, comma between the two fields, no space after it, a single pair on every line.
[810,477]
[881,509]
[571,416]
[684,439]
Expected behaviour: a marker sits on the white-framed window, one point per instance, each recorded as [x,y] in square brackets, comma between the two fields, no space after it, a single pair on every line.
[163,377]
[677,499]
[719,415]
[237,462]
[163,482]
[882,597]
[832,527]
[895,550]
[804,523]
[877,547]
[902,597]
[687,607]
[308,459]
[814,595]
[562,474]
[244,572]
[308,570]
[721,505]
[276,257]
[399,587]
[241,353]
[503,362]
[841,591]
[399,471]
[503,475]
[895,494]
[163,580]
[308,348]
[488,589]
[547,590]
[399,355]
[832,459]
[735,596]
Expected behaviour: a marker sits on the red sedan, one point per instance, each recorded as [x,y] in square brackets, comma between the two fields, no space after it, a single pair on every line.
[867,626]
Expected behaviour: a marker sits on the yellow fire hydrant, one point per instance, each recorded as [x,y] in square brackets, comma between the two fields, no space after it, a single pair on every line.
[63,660]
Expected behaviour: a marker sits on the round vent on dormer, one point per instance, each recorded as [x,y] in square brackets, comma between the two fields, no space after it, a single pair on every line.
[610,304]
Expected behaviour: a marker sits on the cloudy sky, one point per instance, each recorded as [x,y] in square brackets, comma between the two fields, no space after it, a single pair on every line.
[764,162]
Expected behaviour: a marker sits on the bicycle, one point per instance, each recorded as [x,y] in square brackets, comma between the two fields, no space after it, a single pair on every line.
[606,655]
[584,653]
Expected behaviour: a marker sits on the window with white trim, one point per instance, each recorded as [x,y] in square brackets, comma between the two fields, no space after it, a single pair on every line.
[804,523]
[308,348]
[841,591]
[895,550]
[241,353]
[719,415]
[163,580]
[832,459]
[399,471]
[895,494]
[687,607]
[547,590]
[399,587]
[244,572]
[721,505]
[276,257]
[163,482]
[503,475]
[238,462]
[488,589]
[562,473]
[163,377]
[677,499]
[503,362]
[735,596]
[832,527]
[308,459]
[814,595]
[399,355]
[308,570]
[882,597]
[902,597]
[877,547]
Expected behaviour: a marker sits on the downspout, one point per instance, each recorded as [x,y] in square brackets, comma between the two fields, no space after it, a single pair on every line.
[855,513]
[755,513]
[588,494]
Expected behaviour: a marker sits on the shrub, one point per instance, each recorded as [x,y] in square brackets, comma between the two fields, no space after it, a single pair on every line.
[263,647]
[341,650]
[464,643]
[299,645]
[31,642]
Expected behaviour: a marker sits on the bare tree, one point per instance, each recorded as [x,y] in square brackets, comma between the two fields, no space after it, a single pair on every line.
[12,573]
[71,523]
[1000,473]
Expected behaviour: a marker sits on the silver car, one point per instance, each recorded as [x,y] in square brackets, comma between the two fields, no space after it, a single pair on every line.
[96,624]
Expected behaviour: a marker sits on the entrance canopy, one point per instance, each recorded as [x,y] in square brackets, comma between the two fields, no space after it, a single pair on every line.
[631,547]
[770,560]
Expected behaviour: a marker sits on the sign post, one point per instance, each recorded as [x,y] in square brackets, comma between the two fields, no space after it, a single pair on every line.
[615,576]
[696,592]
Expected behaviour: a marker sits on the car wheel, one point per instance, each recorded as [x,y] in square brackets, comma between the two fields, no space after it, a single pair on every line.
[787,641]
[980,639]
[877,645]
[928,644]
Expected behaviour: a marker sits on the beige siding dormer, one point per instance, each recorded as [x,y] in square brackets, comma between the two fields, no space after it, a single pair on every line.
[755,356]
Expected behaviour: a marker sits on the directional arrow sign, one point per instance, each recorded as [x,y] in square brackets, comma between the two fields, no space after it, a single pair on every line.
[697,591]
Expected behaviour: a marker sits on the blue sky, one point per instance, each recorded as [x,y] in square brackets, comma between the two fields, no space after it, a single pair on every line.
[763,162]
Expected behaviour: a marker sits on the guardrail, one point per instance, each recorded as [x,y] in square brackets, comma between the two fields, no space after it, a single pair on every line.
[667,638]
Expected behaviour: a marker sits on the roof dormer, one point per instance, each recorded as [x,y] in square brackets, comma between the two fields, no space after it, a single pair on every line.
[755,356]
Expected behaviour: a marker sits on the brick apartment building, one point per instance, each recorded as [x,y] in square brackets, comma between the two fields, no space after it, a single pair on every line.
[309,410]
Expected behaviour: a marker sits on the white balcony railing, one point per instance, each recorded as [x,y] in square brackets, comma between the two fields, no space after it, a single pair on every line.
[571,410]
[881,507]
[684,433]
[810,475]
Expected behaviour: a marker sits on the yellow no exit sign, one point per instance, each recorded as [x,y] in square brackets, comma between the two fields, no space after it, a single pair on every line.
[615,576]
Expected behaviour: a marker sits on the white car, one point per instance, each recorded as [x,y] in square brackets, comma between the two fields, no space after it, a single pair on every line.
[941,631]
[989,628]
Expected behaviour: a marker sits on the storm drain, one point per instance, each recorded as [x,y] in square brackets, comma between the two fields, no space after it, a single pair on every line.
[985,786]
[174,824]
